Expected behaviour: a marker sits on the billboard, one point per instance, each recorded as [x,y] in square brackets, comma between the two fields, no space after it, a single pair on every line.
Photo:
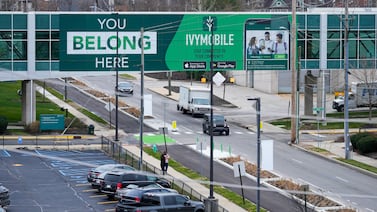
[171,41]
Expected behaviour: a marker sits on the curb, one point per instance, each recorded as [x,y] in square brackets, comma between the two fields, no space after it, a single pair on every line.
[332,159]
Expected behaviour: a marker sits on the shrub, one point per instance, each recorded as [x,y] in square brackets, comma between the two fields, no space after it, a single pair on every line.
[356,137]
[32,128]
[3,124]
[367,144]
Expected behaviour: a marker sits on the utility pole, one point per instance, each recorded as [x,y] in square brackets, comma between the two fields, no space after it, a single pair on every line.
[141,100]
[293,69]
[116,84]
[346,46]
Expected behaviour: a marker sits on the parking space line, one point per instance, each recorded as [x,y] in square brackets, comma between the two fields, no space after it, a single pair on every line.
[83,184]
[99,195]
[4,153]
[89,190]
[107,202]
[110,210]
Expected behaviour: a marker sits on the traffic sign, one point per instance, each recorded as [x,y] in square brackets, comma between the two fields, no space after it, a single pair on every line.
[317,109]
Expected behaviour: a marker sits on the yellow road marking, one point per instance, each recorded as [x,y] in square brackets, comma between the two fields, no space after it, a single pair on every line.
[107,202]
[90,190]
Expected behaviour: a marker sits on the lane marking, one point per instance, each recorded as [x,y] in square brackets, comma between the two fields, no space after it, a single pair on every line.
[297,161]
[341,179]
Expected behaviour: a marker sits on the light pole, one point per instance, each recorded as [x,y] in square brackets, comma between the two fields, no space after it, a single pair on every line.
[141,99]
[211,203]
[258,149]
[346,46]
[293,69]
[116,84]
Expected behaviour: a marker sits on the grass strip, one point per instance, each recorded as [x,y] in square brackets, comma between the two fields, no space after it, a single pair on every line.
[359,164]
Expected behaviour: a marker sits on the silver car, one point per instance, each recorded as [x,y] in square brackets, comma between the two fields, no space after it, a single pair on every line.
[125,89]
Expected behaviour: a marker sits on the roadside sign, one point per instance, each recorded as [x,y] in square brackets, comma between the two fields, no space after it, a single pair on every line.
[239,168]
[318,109]
[109,106]
[218,78]
[51,122]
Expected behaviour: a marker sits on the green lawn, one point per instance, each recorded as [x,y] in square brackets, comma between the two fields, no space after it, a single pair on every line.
[10,103]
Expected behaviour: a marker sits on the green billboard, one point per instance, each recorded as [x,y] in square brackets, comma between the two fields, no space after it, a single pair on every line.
[176,42]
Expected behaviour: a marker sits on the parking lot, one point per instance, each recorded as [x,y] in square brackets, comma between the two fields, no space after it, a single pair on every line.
[52,180]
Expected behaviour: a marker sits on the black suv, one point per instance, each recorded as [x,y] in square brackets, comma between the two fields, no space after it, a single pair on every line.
[219,124]
[115,180]
[134,196]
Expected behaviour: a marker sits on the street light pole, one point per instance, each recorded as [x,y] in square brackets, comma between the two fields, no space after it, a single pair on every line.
[346,46]
[258,149]
[116,84]
[293,69]
[141,100]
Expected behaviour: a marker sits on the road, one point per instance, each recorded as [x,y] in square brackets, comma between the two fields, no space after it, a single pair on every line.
[352,188]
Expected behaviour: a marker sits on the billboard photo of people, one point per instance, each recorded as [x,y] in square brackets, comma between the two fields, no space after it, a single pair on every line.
[272,44]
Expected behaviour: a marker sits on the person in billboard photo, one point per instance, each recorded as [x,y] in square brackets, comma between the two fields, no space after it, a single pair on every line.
[266,45]
[252,48]
[280,46]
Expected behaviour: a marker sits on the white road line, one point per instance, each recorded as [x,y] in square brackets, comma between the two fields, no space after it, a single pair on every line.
[297,161]
[318,135]
[238,132]
[368,209]
[189,133]
[342,179]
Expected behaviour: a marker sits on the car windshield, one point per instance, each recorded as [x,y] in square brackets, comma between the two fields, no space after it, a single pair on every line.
[125,85]
[218,119]
[200,101]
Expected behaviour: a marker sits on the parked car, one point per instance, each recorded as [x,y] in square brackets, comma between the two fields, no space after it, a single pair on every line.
[133,196]
[4,196]
[95,172]
[115,180]
[125,88]
[219,124]
[163,202]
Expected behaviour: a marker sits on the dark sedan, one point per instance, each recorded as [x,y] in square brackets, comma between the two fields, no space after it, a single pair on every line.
[95,172]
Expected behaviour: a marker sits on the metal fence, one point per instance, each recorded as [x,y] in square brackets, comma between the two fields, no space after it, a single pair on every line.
[122,155]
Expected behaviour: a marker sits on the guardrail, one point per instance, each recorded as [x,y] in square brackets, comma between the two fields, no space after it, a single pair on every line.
[122,155]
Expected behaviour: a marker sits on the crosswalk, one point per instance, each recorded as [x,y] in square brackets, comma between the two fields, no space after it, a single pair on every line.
[188,132]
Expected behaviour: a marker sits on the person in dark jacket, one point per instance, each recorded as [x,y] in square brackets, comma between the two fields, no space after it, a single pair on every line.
[164,162]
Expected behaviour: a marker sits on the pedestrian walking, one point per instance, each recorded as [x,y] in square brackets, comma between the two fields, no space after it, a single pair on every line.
[164,160]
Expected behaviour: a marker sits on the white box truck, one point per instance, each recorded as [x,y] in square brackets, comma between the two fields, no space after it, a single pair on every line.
[194,99]
[362,95]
